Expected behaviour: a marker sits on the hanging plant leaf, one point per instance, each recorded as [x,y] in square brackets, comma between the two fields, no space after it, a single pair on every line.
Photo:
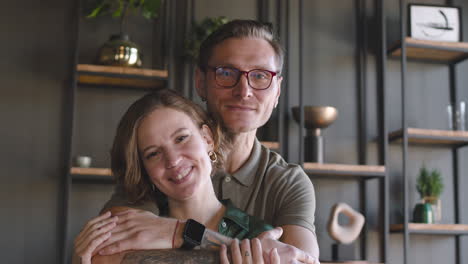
[199,32]
[150,8]
[121,8]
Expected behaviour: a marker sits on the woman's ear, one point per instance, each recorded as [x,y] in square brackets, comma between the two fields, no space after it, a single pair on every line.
[207,135]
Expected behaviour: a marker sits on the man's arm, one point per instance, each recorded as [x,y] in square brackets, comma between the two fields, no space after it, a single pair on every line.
[142,230]
[294,198]
[301,238]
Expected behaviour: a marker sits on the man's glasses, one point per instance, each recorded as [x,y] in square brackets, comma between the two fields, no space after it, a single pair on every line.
[229,77]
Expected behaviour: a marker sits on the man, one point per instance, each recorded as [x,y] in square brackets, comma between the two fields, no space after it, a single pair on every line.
[239,77]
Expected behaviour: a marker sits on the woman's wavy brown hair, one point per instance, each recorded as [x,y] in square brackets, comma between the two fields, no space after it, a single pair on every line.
[126,163]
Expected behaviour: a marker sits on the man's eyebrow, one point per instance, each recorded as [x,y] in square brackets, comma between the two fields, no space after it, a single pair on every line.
[255,67]
[175,132]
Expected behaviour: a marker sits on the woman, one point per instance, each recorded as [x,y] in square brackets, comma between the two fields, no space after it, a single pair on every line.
[166,144]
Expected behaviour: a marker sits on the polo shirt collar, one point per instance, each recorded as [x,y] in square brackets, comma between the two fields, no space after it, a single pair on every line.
[245,175]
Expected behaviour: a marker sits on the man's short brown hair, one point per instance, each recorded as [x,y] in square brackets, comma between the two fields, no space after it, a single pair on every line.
[240,29]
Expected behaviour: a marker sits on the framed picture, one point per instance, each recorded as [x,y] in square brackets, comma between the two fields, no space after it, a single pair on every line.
[435,22]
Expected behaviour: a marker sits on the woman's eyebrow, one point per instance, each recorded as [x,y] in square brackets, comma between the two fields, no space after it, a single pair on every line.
[173,134]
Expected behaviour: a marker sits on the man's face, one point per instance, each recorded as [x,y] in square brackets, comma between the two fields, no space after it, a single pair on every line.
[241,108]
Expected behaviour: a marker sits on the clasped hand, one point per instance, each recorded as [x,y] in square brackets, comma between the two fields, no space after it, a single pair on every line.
[132,229]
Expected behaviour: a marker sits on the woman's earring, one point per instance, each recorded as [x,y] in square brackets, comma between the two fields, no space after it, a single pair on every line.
[153,187]
[213,156]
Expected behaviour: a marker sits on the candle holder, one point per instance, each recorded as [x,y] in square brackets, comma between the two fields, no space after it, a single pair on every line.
[457,116]
[316,118]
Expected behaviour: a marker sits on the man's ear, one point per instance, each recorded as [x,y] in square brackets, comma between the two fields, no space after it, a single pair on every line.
[207,135]
[278,93]
[200,83]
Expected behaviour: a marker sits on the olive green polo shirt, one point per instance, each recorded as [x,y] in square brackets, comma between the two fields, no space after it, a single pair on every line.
[269,188]
[266,187]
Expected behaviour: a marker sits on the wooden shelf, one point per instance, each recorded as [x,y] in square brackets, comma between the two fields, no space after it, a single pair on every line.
[91,174]
[270,144]
[91,171]
[350,262]
[432,229]
[433,137]
[433,51]
[121,76]
[343,170]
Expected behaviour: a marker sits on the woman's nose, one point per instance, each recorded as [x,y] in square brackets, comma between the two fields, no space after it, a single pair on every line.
[172,159]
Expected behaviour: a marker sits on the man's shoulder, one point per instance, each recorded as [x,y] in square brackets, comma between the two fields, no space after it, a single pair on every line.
[277,166]
[276,162]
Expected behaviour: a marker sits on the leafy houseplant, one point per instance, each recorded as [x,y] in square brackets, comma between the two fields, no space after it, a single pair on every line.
[119,50]
[199,32]
[429,183]
[430,186]
[123,8]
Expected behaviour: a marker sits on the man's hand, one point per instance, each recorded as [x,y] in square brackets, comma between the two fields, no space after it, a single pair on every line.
[139,230]
[247,252]
[287,253]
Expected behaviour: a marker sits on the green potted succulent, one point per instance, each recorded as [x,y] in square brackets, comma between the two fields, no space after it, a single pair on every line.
[119,50]
[199,32]
[430,186]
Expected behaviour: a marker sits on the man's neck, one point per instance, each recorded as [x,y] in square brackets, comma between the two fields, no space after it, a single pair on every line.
[242,145]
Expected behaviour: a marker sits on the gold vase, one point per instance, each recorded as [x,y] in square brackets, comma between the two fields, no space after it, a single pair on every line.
[120,51]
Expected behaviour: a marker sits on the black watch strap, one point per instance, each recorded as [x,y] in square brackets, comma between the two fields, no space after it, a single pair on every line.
[193,234]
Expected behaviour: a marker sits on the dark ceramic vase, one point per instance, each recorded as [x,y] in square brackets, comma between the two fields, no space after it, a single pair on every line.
[422,213]
[120,51]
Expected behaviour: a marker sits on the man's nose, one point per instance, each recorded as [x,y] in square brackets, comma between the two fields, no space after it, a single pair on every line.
[243,89]
[172,158]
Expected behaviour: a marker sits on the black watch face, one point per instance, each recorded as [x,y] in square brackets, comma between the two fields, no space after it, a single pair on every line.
[194,231]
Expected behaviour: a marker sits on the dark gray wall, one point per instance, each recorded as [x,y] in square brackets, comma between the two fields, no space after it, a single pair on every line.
[35,70]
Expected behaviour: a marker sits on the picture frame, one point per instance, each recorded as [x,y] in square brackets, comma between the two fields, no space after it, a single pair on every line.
[435,22]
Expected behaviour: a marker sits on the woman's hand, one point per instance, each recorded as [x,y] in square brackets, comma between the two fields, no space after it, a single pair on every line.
[248,252]
[139,230]
[94,233]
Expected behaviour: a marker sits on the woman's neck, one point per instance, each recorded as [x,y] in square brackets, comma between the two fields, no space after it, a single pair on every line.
[204,208]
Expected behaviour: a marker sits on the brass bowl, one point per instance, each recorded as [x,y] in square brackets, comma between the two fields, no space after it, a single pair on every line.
[316,116]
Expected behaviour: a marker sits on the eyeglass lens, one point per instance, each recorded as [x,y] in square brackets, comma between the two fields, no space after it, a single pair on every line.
[258,79]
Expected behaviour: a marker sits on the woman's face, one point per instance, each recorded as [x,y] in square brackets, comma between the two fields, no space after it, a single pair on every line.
[175,152]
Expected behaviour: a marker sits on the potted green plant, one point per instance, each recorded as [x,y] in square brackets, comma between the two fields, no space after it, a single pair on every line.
[119,50]
[430,186]
[199,32]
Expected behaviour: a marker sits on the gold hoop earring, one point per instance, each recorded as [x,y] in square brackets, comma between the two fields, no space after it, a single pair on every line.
[213,156]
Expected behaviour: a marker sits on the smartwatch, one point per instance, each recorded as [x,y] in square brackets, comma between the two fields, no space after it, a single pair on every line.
[193,234]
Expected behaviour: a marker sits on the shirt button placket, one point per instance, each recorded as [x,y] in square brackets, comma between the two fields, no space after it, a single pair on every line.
[227,179]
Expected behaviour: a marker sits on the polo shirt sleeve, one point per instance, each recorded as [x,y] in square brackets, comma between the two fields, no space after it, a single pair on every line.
[296,199]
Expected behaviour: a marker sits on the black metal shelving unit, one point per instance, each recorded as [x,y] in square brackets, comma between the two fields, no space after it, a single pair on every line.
[361,172]
[440,53]
[99,77]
